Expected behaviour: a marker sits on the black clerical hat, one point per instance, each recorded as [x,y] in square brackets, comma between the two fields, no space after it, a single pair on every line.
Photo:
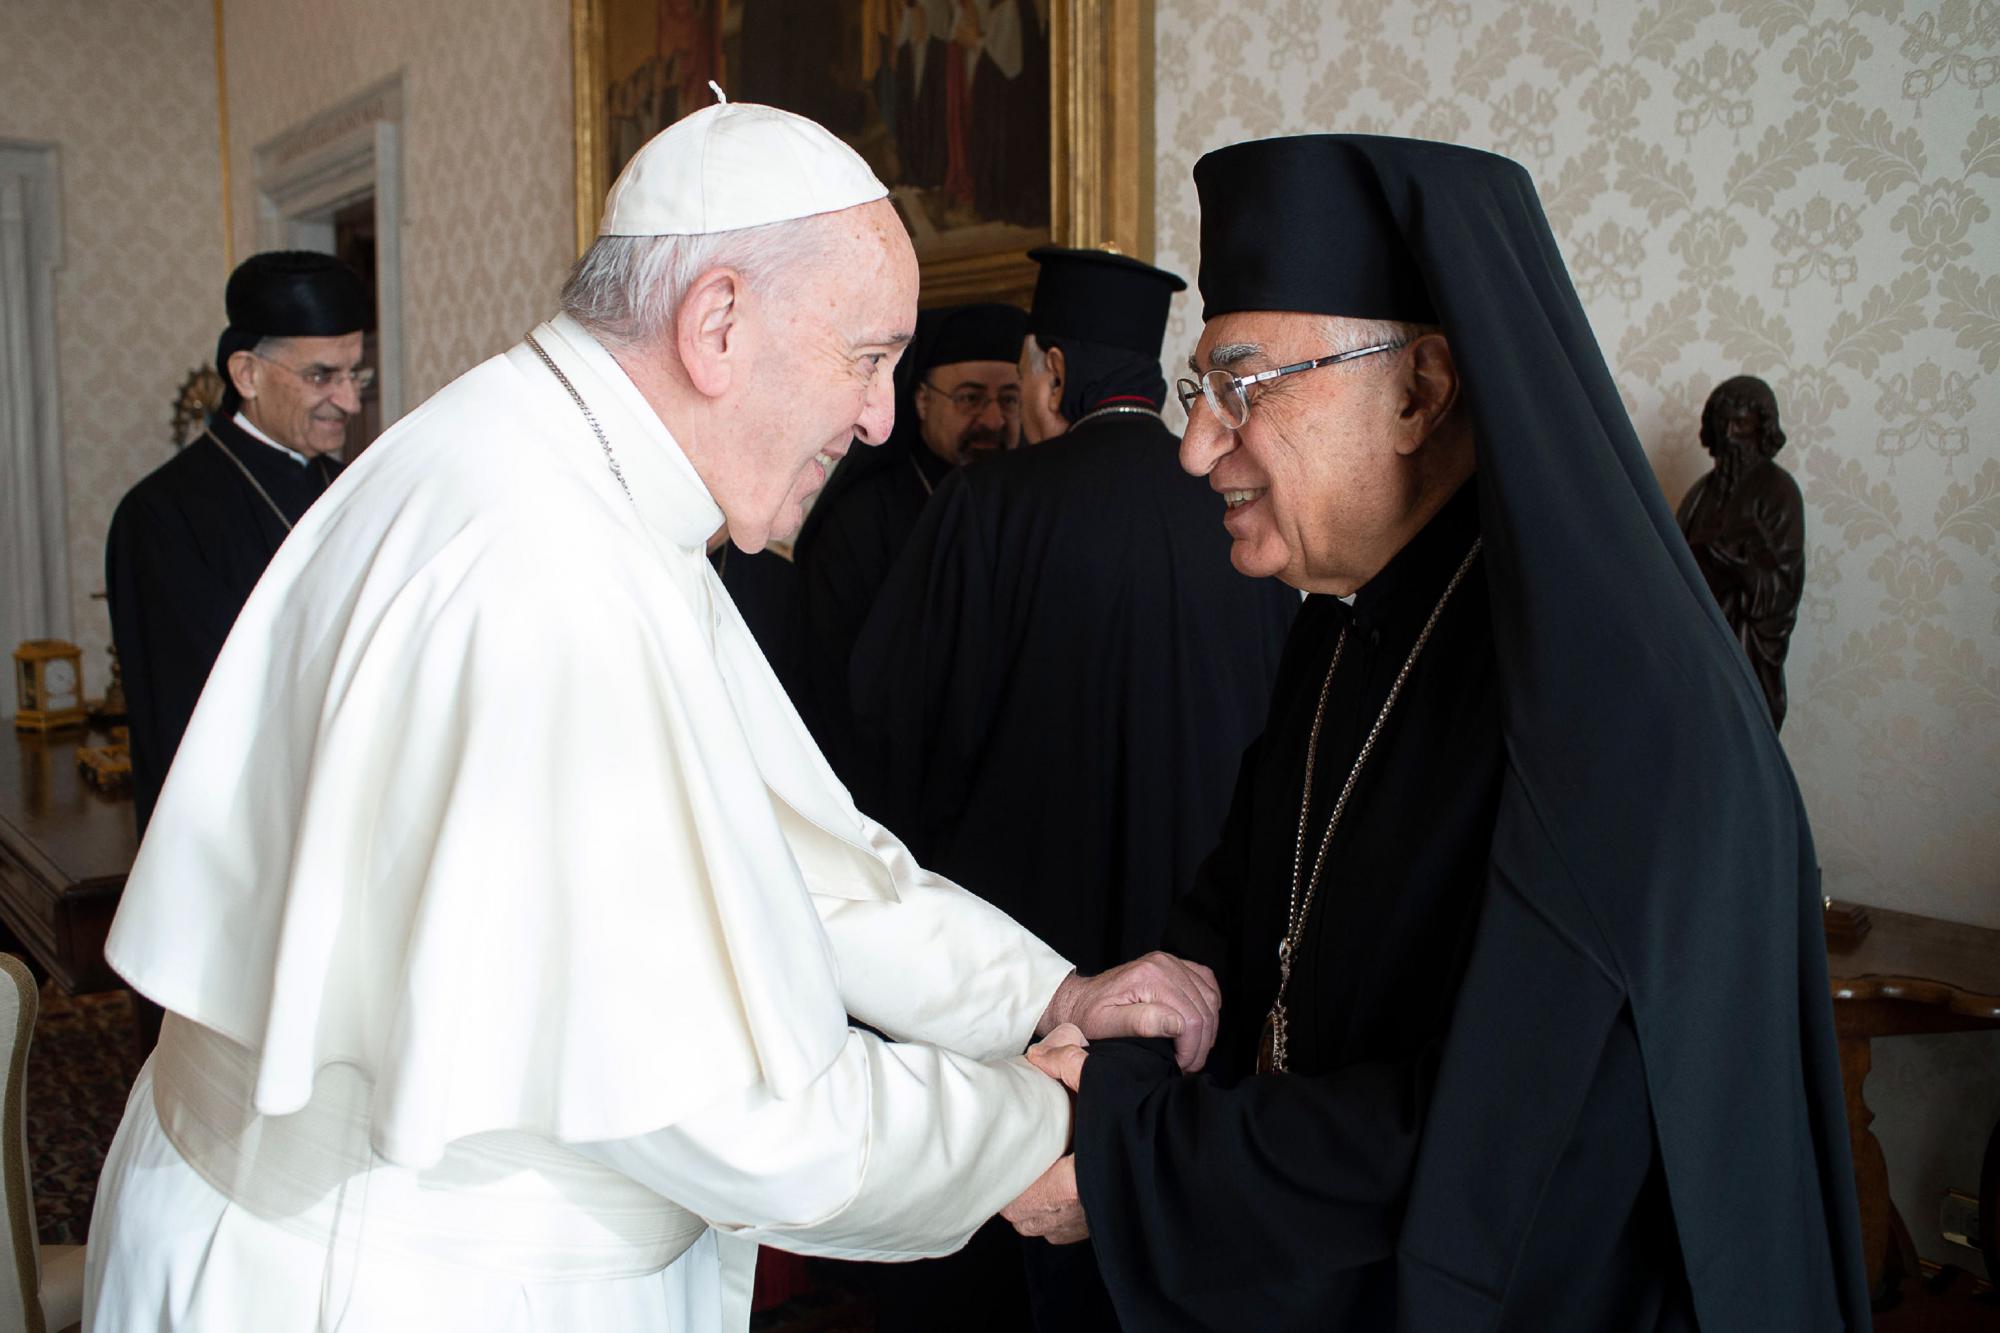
[987,332]
[1100,297]
[296,293]
[1301,224]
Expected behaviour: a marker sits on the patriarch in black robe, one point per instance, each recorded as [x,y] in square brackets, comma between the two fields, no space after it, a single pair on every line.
[858,525]
[1553,1040]
[191,539]
[1060,674]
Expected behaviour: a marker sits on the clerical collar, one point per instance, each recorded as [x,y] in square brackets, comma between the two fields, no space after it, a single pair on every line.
[1409,583]
[244,424]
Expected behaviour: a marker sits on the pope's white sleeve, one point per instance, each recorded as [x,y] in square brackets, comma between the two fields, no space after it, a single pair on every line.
[895,1152]
[941,965]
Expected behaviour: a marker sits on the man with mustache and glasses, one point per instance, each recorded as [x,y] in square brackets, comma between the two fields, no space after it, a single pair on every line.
[958,399]
[189,541]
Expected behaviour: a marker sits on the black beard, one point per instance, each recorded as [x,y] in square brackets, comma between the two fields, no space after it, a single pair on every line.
[980,438]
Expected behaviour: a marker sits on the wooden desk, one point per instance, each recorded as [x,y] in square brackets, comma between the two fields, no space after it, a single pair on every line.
[65,848]
[1908,974]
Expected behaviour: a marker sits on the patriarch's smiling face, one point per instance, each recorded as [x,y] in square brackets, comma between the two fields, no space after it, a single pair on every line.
[1313,477]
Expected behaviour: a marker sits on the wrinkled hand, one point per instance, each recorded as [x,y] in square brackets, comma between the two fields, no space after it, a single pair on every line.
[1050,1208]
[1061,1054]
[1154,996]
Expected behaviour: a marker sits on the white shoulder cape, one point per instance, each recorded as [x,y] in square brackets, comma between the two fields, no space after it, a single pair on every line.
[492,795]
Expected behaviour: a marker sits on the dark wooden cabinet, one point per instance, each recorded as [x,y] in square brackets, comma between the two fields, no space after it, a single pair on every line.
[1907,974]
[65,848]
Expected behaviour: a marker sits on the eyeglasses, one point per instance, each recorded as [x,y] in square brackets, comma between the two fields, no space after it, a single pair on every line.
[323,378]
[972,400]
[1226,395]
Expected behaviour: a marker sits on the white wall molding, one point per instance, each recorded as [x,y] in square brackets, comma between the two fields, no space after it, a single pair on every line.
[349,152]
[35,595]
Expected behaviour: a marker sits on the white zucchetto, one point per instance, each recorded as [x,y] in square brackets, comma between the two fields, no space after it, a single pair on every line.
[735,165]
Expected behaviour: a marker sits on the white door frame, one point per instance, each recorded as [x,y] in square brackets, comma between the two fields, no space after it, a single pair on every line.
[348,152]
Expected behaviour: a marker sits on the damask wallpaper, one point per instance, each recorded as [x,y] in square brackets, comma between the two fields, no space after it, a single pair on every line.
[1795,189]
[488,202]
[125,91]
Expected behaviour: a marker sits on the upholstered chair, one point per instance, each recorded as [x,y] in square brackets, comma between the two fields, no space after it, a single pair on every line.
[41,1287]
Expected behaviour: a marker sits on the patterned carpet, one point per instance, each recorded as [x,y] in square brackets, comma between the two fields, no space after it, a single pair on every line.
[80,1066]
[82,1063]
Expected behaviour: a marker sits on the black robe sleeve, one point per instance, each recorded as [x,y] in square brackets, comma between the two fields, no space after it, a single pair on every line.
[1284,1196]
[170,612]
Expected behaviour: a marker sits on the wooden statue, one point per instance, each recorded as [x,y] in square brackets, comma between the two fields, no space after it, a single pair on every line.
[1745,522]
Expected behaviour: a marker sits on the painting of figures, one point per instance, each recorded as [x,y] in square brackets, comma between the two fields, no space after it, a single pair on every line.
[948,100]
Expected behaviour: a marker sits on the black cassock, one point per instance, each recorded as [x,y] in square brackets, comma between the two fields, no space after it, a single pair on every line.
[186,546]
[844,552]
[1058,681]
[1563,1046]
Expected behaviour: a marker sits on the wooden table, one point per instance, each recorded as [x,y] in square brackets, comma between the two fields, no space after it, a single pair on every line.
[1907,974]
[65,848]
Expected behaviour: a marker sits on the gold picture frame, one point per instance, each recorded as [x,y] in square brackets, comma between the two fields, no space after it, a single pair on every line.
[1100,143]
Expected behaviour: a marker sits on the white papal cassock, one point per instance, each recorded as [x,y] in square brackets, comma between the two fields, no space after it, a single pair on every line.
[508,921]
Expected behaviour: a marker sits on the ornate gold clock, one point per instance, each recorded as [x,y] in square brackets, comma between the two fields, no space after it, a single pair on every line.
[48,685]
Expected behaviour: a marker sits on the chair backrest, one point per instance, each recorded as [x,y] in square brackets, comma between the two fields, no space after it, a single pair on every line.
[21,1265]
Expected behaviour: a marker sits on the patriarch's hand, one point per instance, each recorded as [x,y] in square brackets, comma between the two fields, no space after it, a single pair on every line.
[1154,996]
[1050,1208]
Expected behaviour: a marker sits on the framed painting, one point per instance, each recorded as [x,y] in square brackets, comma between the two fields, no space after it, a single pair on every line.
[998,125]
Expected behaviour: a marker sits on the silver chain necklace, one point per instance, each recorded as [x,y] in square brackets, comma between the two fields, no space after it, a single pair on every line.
[1114,410]
[256,485]
[1272,1052]
[617,473]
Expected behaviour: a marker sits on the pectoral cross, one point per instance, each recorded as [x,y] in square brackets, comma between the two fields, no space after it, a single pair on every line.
[1271,1053]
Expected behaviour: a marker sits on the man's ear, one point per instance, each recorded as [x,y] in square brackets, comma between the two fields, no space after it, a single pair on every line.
[708,331]
[242,372]
[1054,360]
[1429,391]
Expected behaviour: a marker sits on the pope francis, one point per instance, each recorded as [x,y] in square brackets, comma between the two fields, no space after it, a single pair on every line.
[506,919]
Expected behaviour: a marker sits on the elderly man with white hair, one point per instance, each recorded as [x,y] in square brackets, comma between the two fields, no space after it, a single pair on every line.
[506,919]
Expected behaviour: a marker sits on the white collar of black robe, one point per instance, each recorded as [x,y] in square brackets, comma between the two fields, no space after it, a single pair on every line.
[1648,816]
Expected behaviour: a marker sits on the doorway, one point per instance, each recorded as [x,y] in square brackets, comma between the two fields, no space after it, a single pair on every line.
[332,184]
